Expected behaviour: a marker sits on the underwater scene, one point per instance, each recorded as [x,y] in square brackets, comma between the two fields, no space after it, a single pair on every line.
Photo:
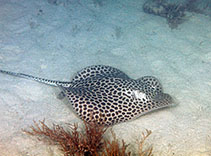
[105,77]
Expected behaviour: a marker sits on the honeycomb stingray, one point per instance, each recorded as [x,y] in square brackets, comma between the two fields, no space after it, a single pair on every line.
[106,95]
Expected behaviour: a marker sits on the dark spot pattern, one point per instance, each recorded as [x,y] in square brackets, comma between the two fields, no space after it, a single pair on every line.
[106,95]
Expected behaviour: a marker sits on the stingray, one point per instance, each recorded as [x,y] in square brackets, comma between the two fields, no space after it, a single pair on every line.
[106,95]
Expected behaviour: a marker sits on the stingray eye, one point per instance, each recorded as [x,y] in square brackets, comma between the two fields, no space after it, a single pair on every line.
[138,94]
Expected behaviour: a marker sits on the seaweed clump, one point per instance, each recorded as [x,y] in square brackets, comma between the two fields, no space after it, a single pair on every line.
[174,13]
[148,151]
[71,141]
[88,142]
[112,148]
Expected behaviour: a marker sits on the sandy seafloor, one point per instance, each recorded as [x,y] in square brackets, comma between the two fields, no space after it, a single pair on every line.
[55,41]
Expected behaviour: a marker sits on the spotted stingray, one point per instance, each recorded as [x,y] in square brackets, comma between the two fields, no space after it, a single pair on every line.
[106,95]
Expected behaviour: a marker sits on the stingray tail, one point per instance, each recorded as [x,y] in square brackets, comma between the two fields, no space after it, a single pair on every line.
[38,79]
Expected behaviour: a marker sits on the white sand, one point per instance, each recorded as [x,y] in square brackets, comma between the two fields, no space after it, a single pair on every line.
[55,41]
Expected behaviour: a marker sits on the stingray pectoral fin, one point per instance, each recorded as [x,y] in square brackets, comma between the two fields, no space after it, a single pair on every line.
[61,95]
[163,100]
[63,89]
[65,92]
